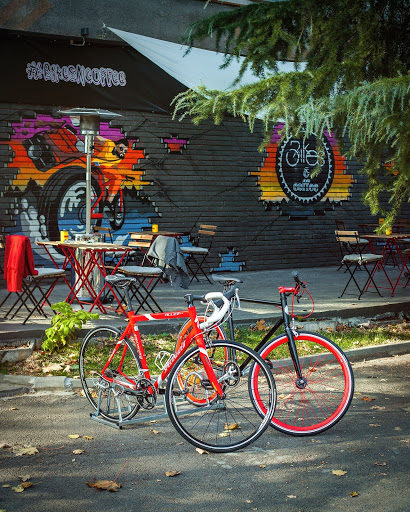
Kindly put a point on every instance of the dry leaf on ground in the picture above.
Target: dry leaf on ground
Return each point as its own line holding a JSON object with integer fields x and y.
{"x": 88, "y": 438}
{"x": 4, "y": 445}
{"x": 78, "y": 452}
{"x": 368, "y": 399}
{"x": 54, "y": 367}
{"x": 201, "y": 451}
{"x": 172, "y": 473}
{"x": 104, "y": 485}
{"x": 353, "y": 494}
{"x": 338, "y": 472}
{"x": 24, "y": 478}
{"x": 24, "y": 450}
{"x": 74, "y": 436}
{"x": 231, "y": 426}
{"x": 380, "y": 463}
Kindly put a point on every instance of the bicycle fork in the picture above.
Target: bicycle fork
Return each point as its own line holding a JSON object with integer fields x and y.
{"x": 300, "y": 381}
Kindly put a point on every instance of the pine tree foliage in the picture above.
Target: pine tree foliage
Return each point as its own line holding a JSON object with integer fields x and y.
{"x": 354, "y": 81}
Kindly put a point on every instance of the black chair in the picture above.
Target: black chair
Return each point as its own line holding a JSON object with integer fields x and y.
{"x": 358, "y": 261}
{"x": 31, "y": 286}
{"x": 198, "y": 253}
{"x": 349, "y": 242}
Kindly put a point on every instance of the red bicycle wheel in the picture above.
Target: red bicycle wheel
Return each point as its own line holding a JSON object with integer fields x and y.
{"x": 320, "y": 399}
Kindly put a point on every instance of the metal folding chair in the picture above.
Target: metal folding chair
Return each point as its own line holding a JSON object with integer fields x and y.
{"x": 355, "y": 262}
{"x": 198, "y": 253}
{"x": 349, "y": 242}
{"x": 36, "y": 283}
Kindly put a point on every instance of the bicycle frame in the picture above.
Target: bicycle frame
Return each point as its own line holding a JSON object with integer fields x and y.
{"x": 132, "y": 332}
{"x": 283, "y": 305}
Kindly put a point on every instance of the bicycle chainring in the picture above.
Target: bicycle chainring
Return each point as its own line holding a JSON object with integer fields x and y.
{"x": 146, "y": 393}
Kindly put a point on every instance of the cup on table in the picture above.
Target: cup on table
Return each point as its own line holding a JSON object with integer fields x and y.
{"x": 389, "y": 231}
{"x": 155, "y": 228}
{"x": 64, "y": 235}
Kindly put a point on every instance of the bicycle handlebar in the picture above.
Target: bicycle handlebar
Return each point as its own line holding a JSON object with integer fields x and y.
{"x": 219, "y": 312}
{"x": 297, "y": 279}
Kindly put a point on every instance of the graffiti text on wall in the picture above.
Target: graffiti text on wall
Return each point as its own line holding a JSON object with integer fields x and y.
{"x": 77, "y": 74}
{"x": 288, "y": 171}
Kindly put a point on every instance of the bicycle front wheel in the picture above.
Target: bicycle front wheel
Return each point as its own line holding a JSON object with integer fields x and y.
{"x": 110, "y": 394}
{"x": 320, "y": 399}
{"x": 221, "y": 424}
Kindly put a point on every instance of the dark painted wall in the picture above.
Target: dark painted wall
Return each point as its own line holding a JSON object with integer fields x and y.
{"x": 177, "y": 175}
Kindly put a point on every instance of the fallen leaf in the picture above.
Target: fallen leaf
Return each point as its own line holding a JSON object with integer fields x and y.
{"x": 260, "y": 325}
{"x": 292, "y": 496}
{"x": 374, "y": 425}
{"x": 338, "y": 472}
{"x": 24, "y": 478}
{"x": 88, "y": 438}
{"x": 262, "y": 466}
{"x": 104, "y": 485}
{"x": 380, "y": 463}
{"x": 224, "y": 434}
{"x": 4, "y": 445}
{"x": 26, "y": 485}
{"x": 232, "y": 426}
{"x": 74, "y": 436}
{"x": 19, "y": 488}
{"x": 353, "y": 494}
{"x": 405, "y": 441}
{"x": 25, "y": 450}
{"x": 201, "y": 451}
{"x": 155, "y": 432}
{"x": 13, "y": 409}
{"x": 6, "y": 485}
{"x": 249, "y": 501}
{"x": 172, "y": 473}
{"x": 54, "y": 367}
{"x": 378, "y": 407}
{"x": 78, "y": 452}
{"x": 395, "y": 428}
{"x": 368, "y": 399}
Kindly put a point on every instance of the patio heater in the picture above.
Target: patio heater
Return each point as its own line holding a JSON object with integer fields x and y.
{"x": 89, "y": 127}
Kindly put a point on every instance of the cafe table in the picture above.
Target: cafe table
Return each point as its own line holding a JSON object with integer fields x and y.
{"x": 391, "y": 249}
{"x": 92, "y": 257}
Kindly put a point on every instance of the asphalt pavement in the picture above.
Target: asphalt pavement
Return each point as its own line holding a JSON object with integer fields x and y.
{"x": 362, "y": 463}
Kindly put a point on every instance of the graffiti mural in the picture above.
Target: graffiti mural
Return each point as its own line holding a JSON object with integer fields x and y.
{"x": 287, "y": 173}
{"x": 49, "y": 183}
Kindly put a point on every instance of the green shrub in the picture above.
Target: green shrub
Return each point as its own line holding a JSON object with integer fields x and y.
{"x": 64, "y": 325}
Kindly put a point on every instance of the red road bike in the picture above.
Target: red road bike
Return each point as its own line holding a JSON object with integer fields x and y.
{"x": 219, "y": 395}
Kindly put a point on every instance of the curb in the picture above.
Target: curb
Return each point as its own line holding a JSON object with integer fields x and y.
{"x": 12, "y": 385}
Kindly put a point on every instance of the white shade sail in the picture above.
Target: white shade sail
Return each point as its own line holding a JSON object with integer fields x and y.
{"x": 198, "y": 67}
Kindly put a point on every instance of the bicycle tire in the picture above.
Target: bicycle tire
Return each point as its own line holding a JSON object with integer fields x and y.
{"x": 214, "y": 333}
{"x": 224, "y": 424}
{"x": 328, "y": 389}
{"x": 110, "y": 399}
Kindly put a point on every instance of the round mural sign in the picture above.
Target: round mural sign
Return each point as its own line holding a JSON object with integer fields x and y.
{"x": 296, "y": 161}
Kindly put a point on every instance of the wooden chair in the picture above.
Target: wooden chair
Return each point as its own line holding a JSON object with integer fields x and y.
{"x": 354, "y": 261}
{"x": 197, "y": 254}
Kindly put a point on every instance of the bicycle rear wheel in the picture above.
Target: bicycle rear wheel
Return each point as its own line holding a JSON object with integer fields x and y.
{"x": 323, "y": 396}
{"x": 111, "y": 395}
{"x": 233, "y": 421}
